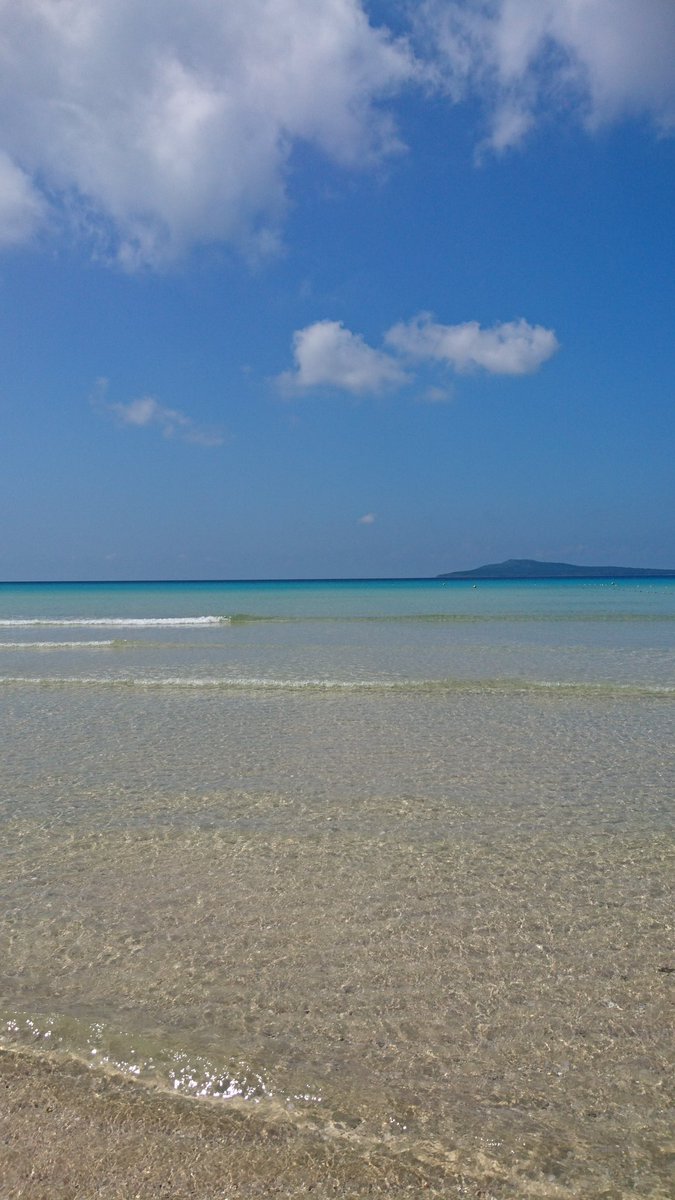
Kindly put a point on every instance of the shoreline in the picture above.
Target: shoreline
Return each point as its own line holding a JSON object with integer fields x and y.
{"x": 69, "y": 1130}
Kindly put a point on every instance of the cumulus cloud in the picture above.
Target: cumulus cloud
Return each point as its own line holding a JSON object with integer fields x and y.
{"x": 161, "y": 124}
{"x": 328, "y": 355}
{"x": 603, "y": 59}
{"x": 146, "y": 411}
{"x": 511, "y": 348}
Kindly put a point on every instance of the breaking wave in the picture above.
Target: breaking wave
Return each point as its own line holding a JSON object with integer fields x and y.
{"x": 60, "y": 645}
{"x": 112, "y": 622}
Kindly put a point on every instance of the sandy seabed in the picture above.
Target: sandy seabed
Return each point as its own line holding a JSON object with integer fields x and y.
{"x": 530, "y": 1071}
{"x": 441, "y": 942}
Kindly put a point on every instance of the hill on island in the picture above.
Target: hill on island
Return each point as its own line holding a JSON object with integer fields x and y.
{"x": 529, "y": 568}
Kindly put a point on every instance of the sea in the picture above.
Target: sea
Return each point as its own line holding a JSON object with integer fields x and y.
{"x": 389, "y": 859}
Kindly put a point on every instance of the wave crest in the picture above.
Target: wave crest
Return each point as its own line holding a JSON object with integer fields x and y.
{"x": 111, "y": 622}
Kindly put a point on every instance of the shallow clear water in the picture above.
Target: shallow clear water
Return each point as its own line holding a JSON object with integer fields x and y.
{"x": 394, "y": 856}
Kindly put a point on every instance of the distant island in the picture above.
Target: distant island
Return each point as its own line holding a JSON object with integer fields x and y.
{"x": 529, "y": 568}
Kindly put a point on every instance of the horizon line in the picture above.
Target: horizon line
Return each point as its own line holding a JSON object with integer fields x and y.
{"x": 261, "y": 579}
{"x": 460, "y": 577}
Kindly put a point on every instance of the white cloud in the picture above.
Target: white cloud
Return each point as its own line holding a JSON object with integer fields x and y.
{"x": 161, "y": 124}
{"x": 367, "y": 519}
{"x": 146, "y": 411}
{"x": 603, "y": 59}
{"x": 328, "y": 355}
{"x": 512, "y": 348}
{"x": 152, "y": 126}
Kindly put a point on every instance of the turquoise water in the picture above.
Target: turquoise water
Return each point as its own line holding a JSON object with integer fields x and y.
{"x": 341, "y": 598}
{"x": 394, "y": 857}
{"x": 347, "y": 633}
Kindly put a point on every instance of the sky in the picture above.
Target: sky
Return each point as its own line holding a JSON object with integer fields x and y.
{"x": 335, "y": 288}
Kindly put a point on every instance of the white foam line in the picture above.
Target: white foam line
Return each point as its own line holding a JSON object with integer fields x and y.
{"x": 276, "y": 684}
{"x": 412, "y": 685}
{"x": 192, "y": 682}
{"x": 53, "y": 645}
{"x": 135, "y": 622}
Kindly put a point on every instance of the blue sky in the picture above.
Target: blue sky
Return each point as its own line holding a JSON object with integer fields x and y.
{"x": 311, "y": 288}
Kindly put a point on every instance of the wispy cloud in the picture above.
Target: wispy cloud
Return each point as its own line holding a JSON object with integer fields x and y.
{"x": 146, "y": 412}
{"x": 21, "y": 207}
{"x": 437, "y": 395}
{"x": 597, "y": 60}
{"x": 327, "y": 355}
{"x": 367, "y": 519}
